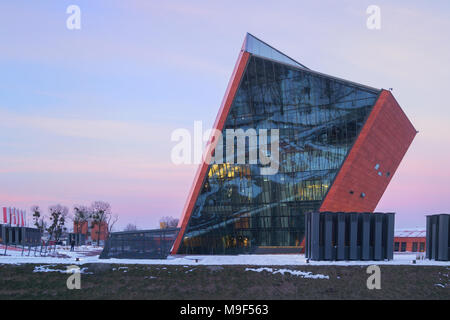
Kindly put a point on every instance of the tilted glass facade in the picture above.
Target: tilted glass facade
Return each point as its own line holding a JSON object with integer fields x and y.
{"x": 318, "y": 118}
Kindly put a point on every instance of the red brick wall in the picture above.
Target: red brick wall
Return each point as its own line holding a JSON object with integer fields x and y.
{"x": 103, "y": 231}
{"x": 409, "y": 243}
{"x": 80, "y": 227}
{"x": 83, "y": 228}
{"x": 383, "y": 140}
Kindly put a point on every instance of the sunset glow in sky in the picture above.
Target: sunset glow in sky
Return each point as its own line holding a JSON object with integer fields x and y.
{"x": 87, "y": 114}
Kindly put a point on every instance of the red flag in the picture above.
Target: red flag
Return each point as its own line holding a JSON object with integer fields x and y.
{"x": 5, "y": 215}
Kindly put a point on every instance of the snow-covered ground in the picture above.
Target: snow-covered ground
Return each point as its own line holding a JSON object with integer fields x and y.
{"x": 90, "y": 254}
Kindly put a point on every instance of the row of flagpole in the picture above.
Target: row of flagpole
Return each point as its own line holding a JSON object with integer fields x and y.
{"x": 13, "y": 217}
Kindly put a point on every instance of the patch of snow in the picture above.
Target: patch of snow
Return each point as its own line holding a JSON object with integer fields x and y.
{"x": 298, "y": 273}
{"x": 46, "y": 268}
{"x": 87, "y": 254}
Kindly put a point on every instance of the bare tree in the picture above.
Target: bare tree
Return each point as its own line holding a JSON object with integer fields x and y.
{"x": 38, "y": 221}
{"x": 61, "y": 228}
{"x": 81, "y": 215}
{"x": 130, "y": 227}
{"x": 58, "y": 215}
{"x": 168, "y": 222}
{"x": 112, "y": 219}
{"x": 100, "y": 214}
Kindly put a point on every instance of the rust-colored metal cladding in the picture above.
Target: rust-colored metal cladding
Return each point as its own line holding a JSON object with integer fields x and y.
{"x": 218, "y": 125}
{"x": 373, "y": 159}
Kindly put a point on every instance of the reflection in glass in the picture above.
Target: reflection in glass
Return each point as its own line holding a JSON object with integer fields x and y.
{"x": 239, "y": 210}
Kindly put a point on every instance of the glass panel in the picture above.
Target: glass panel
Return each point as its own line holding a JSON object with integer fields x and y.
{"x": 239, "y": 210}
{"x": 403, "y": 246}
{"x": 255, "y": 46}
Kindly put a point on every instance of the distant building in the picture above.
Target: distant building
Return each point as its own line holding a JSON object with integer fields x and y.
{"x": 13, "y": 230}
{"x": 17, "y": 235}
{"x": 91, "y": 230}
{"x": 410, "y": 240}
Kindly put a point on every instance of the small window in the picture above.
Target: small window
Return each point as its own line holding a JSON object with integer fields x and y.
{"x": 422, "y": 246}
{"x": 379, "y": 173}
{"x": 388, "y": 174}
{"x": 403, "y": 246}
{"x": 363, "y": 195}
{"x": 351, "y": 192}
{"x": 377, "y": 166}
{"x": 415, "y": 246}
{"x": 396, "y": 246}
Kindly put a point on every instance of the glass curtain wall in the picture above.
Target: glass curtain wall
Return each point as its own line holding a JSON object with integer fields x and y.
{"x": 318, "y": 118}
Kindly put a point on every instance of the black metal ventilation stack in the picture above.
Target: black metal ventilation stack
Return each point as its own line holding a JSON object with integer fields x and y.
{"x": 438, "y": 240}
{"x": 349, "y": 236}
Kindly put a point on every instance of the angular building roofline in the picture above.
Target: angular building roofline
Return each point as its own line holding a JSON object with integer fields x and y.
{"x": 257, "y": 47}
{"x": 260, "y": 48}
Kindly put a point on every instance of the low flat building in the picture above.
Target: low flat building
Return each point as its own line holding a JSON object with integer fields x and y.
{"x": 14, "y": 235}
{"x": 140, "y": 244}
{"x": 410, "y": 240}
